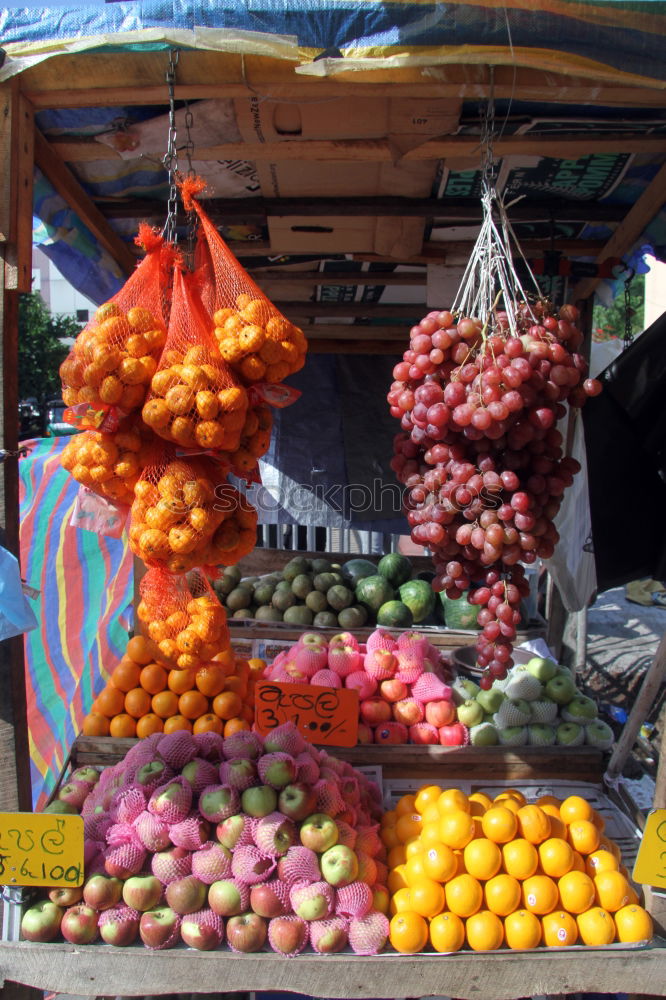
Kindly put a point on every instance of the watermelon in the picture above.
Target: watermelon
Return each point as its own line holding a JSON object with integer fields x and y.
{"x": 395, "y": 614}
{"x": 458, "y": 613}
{"x": 396, "y": 568}
{"x": 357, "y": 569}
{"x": 373, "y": 591}
{"x": 419, "y": 597}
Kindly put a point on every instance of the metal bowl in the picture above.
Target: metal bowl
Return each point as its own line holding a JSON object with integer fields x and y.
{"x": 464, "y": 659}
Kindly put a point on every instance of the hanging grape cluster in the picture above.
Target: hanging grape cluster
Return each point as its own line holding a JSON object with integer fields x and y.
{"x": 481, "y": 455}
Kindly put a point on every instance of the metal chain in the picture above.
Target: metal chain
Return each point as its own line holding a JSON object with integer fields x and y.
{"x": 19, "y": 453}
{"x": 629, "y": 313}
{"x": 171, "y": 156}
{"x": 189, "y": 150}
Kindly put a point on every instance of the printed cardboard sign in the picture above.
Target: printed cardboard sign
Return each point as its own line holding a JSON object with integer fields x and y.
{"x": 650, "y": 866}
{"x": 41, "y": 849}
{"x": 325, "y": 716}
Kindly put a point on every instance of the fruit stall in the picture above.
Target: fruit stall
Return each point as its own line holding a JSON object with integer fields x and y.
{"x": 356, "y": 250}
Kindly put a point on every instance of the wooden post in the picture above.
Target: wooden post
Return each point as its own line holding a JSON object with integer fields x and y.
{"x": 644, "y": 701}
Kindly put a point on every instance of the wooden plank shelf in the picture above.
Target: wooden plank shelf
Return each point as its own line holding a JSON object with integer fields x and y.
{"x": 96, "y": 969}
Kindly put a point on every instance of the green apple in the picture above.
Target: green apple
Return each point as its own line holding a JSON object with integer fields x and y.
{"x": 542, "y": 668}
{"x": 561, "y": 689}
{"x": 470, "y": 713}
{"x": 490, "y": 700}
{"x": 580, "y": 709}
{"x": 570, "y": 734}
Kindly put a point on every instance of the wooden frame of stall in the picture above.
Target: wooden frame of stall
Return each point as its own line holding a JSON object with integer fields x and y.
{"x": 92, "y": 79}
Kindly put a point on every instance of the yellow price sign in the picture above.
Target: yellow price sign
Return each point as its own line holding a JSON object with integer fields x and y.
{"x": 650, "y": 867}
{"x": 41, "y": 849}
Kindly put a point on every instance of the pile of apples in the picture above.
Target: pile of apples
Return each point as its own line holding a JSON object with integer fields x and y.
{"x": 402, "y": 697}
{"x": 198, "y": 839}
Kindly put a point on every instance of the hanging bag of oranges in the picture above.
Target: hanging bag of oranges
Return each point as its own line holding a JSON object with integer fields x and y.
{"x": 108, "y": 370}
{"x": 109, "y": 464}
{"x": 254, "y": 338}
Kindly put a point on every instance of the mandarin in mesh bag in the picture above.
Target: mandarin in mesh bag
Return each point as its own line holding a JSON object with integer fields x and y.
{"x": 114, "y": 358}
{"x": 195, "y": 401}
{"x": 254, "y": 338}
{"x": 237, "y": 534}
{"x": 109, "y": 464}
{"x": 255, "y": 438}
{"x": 182, "y": 615}
{"x": 175, "y": 513}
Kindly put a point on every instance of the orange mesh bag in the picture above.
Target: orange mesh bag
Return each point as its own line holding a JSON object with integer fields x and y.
{"x": 109, "y": 368}
{"x": 183, "y": 617}
{"x": 255, "y": 438}
{"x": 175, "y": 513}
{"x": 253, "y": 336}
{"x": 195, "y": 400}
{"x": 237, "y": 534}
{"x": 109, "y": 464}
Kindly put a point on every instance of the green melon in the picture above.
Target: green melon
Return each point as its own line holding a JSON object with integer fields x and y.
{"x": 395, "y": 614}
{"x": 419, "y": 597}
{"x": 357, "y": 569}
{"x": 373, "y": 591}
{"x": 396, "y": 568}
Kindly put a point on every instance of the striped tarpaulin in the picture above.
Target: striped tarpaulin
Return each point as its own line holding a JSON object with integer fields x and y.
{"x": 85, "y": 584}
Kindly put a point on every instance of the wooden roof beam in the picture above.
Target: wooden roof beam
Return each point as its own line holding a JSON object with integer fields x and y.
{"x": 629, "y": 230}
{"x": 67, "y": 186}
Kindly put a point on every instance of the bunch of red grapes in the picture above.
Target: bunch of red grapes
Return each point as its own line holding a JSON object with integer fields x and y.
{"x": 482, "y": 457}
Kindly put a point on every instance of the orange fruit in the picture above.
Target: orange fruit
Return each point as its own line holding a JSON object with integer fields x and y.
{"x": 401, "y": 901}
{"x": 139, "y": 650}
{"x": 447, "y": 932}
{"x": 584, "y": 836}
{"x": 540, "y": 894}
{"x": 404, "y": 805}
{"x": 235, "y": 725}
{"x": 522, "y": 929}
{"x": 193, "y": 704}
{"x": 576, "y": 891}
{"x": 397, "y": 879}
{"x": 180, "y": 681}
{"x": 95, "y": 725}
{"x": 110, "y": 701}
{"x": 556, "y": 857}
{"x": 548, "y": 800}
{"x": 389, "y": 818}
{"x": 499, "y": 824}
{"x": 137, "y": 702}
{"x": 208, "y": 723}
{"x": 633, "y": 924}
{"x": 557, "y": 827}
{"x": 513, "y": 805}
{"x": 427, "y": 897}
{"x": 511, "y": 793}
{"x": 606, "y": 844}
{"x": 578, "y": 862}
{"x": 164, "y": 704}
{"x": 533, "y": 824}
{"x": 388, "y": 836}
{"x": 439, "y": 862}
{"x": 600, "y": 861}
{"x": 520, "y": 858}
{"x": 413, "y": 848}
{"x": 122, "y": 725}
{"x": 558, "y": 929}
{"x": 596, "y": 926}
{"x": 227, "y": 705}
{"x": 149, "y": 724}
{"x": 464, "y": 895}
{"x": 414, "y": 871}
{"x": 453, "y": 798}
{"x": 612, "y": 891}
{"x": 396, "y": 856}
{"x": 484, "y": 931}
{"x": 429, "y": 835}
{"x": 408, "y": 933}
{"x": 427, "y": 795}
{"x": 237, "y": 684}
{"x": 125, "y": 675}
{"x": 153, "y": 678}
{"x": 408, "y": 826}
{"x": 479, "y": 799}
{"x": 598, "y": 821}
{"x": 482, "y": 858}
{"x": 177, "y": 722}
{"x": 575, "y": 807}
{"x": 210, "y": 679}
{"x": 502, "y": 894}
{"x": 456, "y": 828}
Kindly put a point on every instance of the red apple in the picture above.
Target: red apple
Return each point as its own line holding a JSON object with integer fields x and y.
{"x": 74, "y": 793}
{"x": 319, "y": 832}
{"x": 66, "y": 895}
{"x": 259, "y": 801}
{"x": 102, "y": 891}
{"x": 375, "y": 711}
{"x": 142, "y": 892}
{"x": 288, "y": 935}
{"x": 424, "y": 734}
{"x": 381, "y": 899}
{"x": 119, "y": 926}
{"x": 41, "y": 922}
{"x": 364, "y": 734}
{"x": 265, "y": 902}
{"x": 228, "y": 898}
{"x": 203, "y": 930}
{"x": 339, "y": 866}
{"x": 185, "y": 895}
{"x": 393, "y": 690}
{"x": 409, "y": 711}
{"x": 79, "y": 924}
{"x": 160, "y": 928}
{"x": 230, "y": 830}
{"x": 246, "y": 932}
{"x": 440, "y": 713}
{"x": 455, "y": 735}
{"x": 297, "y": 800}
{"x": 88, "y": 774}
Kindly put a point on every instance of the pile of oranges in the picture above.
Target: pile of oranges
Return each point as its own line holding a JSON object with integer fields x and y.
{"x": 257, "y": 341}
{"x": 470, "y": 871}
{"x": 144, "y": 696}
{"x": 114, "y": 358}
{"x": 194, "y": 401}
{"x": 108, "y": 464}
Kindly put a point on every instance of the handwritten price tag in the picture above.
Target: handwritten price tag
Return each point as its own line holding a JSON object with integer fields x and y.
{"x": 41, "y": 849}
{"x": 325, "y": 716}
{"x": 650, "y": 867}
